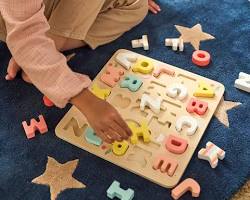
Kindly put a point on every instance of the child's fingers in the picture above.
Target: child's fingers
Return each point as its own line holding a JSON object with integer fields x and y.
{"x": 119, "y": 130}
{"x": 155, "y": 6}
{"x": 114, "y": 135}
{"x": 8, "y": 77}
{"x": 12, "y": 70}
{"x": 107, "y": 140}
{"x": 153, "y": 10}
{"x": 104, "y": 136}
{"x": 124, "y": 125}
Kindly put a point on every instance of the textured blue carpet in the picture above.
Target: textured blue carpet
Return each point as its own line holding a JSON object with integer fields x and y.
{"x": 21, "y": 160}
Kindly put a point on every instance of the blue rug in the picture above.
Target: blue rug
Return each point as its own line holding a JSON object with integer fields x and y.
{"x": 21, "y": 160}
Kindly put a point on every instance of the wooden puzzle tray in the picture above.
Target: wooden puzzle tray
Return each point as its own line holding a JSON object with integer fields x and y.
{"x": 186, "y": 103}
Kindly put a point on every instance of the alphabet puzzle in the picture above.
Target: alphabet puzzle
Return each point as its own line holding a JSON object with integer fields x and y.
{"x": 167, "y": 108}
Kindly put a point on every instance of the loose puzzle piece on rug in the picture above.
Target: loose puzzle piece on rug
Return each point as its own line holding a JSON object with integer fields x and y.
{"x": 168, "y": 110}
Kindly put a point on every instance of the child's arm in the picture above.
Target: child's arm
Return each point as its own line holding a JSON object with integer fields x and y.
{"x": 47, "y": 68}
{"x": 153, "y": 7}
{"x": 37, "y": 55}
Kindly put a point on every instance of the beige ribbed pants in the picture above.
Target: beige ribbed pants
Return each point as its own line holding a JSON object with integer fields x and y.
{"x": 96, "y": 22}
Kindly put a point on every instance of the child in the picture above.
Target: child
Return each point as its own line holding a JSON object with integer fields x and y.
{"x": 37, "y": 30}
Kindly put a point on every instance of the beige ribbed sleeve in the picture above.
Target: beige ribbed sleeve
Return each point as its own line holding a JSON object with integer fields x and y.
{"x": 36, "y": 54}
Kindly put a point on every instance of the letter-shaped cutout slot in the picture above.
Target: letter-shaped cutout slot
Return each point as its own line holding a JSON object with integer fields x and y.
{"x": 139, "y": 156}
{"x": 120, "y": 101}
{"x": 75, "y": 127}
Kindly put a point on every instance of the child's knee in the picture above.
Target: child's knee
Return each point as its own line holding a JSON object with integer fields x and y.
{"x": 139, "y": 9}
{"x": 143, "y": 10}
{"x": 2, "y": 37}
{"x": 63, "y": 43}
{"x": 2, "y": 30}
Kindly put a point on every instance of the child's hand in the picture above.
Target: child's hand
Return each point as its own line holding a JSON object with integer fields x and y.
{"x": 13, "y": 69}
{"x": 153, "y": 7}
{"x": 102, "y": 117}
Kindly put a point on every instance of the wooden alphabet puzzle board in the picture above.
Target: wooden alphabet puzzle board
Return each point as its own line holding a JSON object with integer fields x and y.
{"x": 174, "y": 129}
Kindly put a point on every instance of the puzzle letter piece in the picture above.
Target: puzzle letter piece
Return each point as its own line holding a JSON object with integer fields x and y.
{"x": 143, "y": 66}
{"x": 243, "y": 82}
{"x": 115, "y": 191}
{"x": 186, "y": 185}
{"x": 139, "y": 131}
{"x": 141, "y": 43}
{"x": 126, "y": 59}
{"x": 131, "y": 82}
{"x": 92, "y": 138}
{"x": 120, "y": 148}
{"x": 204, "y": 90}
{"x": 181, "y": 45}
{"x": 165, "y": 165}
{"x": 153, "y": 104}
{"x": 211, "y": 154}
{"x": 112, "y": 75}
{"x": 177, "y": 90}
{"x": 188, "y": 121}
{"x": 165, "y": 70}
{"x": 176, "y": 145}
{"x": 175, "y": 43}
{"x": 99, "y": 92}
{"x": 197, "y": 106}
{"x": 30, "y": 130}
{"x": 47, "y": 102}
{"x": 201, "y": 58}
